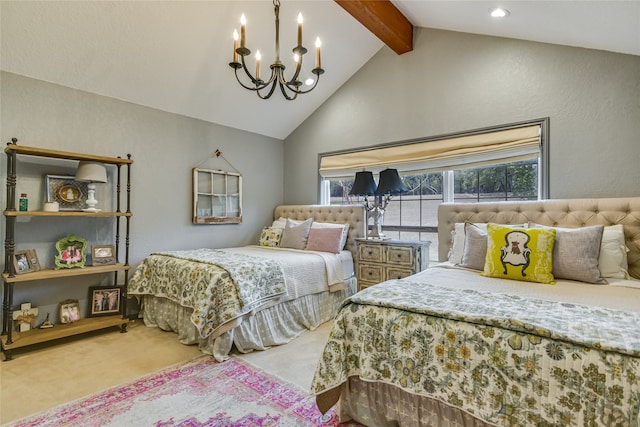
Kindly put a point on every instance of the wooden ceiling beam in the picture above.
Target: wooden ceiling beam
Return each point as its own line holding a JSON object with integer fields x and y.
{"x": 384, "y": 20}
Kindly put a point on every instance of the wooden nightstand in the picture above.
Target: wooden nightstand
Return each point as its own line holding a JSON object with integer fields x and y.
{"x": 380, "y": 260}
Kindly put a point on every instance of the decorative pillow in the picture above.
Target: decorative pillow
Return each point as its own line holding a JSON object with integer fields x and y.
{"x": 327, "y": 239}
{"x": 270, "y": 236}
{"x": 343, "y": 227}
{"x": 458, "y": 237}
{"x": 475, "y": 246}
{"x": 295, "y": 236}
{"x": 279, "y": 223}
{"x": 576, "y": 253}
{"x": 612, "y": 261}
{"x": 520, "y": 253}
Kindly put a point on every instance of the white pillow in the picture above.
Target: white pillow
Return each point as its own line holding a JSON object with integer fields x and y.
{"x": 612, "y": 261}
{"x": 457, "y": 243}
{"x": 279, "y": 223}
{"x": 344, "y": 227}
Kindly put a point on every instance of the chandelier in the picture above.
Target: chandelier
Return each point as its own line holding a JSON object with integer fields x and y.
{"x": 290, "y": 88}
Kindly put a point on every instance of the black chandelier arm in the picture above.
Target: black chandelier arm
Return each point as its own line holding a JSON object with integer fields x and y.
{"x": 283, "y": 89}
{"x": 258, "y": 84}
{"x": 299, "y": 91}
{"x": 268, "y": 95}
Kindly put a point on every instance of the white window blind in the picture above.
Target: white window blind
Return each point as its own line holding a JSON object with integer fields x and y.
{"x": 465, "y": 151}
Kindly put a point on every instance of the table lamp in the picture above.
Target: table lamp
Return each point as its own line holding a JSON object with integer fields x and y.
{"x": 91, "y": 172}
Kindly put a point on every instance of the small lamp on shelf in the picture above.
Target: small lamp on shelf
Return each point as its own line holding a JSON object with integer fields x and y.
{"x": 91, "y": 172}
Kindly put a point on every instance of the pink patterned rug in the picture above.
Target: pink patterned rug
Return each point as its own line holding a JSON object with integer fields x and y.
{"x": 199, "y": 393}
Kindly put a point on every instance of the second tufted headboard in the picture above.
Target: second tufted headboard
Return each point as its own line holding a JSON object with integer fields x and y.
{"x": 354, "y": 215}
{"x": 559, "y": 213}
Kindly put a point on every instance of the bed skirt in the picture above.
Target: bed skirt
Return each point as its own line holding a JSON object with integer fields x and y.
{"x": 271, "y": 326}
{"x": 360, "y": 402}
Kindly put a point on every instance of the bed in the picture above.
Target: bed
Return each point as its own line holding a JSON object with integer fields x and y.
{"x": 256, "y": 296}
{"x": 456, "y": 346}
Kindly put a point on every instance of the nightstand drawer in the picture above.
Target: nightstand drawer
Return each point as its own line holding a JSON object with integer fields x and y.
{"x": 371, "y": 253}
{"x": 370, "y": 273}
{"x": 398, "y": 273}
{"x": 400, "y": 255}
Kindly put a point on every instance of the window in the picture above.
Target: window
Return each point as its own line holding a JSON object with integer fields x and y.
{"x": 413, "y": 215}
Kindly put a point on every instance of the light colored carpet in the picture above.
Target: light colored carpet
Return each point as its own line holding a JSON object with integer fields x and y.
{"x": 45, "y": 376}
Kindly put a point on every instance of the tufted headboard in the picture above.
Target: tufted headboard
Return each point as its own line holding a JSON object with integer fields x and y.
{"x": 559, "y": 213}
{"x": 354, "y": 215}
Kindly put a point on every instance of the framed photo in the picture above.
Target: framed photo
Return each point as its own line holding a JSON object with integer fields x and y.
{"x": 33, "y": 259}
{"x": 22, "y": 263}
{"x": 71, "y": 252}
{"x": 104, "y": 300}
{"x": 69, "y": 311}
{"x": 103, "y": 254}
{"x": 69, "y": 193}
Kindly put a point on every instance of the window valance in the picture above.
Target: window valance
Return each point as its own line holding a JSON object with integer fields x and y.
{"x": 433, "y": 155}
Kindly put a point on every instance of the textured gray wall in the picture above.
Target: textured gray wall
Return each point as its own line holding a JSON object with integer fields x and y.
{"x": 456, "y": 81}
{"x": 164, "y": 148}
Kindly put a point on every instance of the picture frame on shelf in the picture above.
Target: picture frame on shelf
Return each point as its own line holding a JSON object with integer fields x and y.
{"x": 69, "y": 193}
{"x": 25, "y": 261}
{"x": 103, "y": 254}
{"x": 69, "y": 311}
{"x": 104, "y": 300}
{"x": 71, "y": 252}
{"x": 33, "y": 259}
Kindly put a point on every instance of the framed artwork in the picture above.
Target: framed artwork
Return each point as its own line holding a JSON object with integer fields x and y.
{"x": 22, "y": 262}
{"x": 69, "y": 311}
{"x": 104, "y": 300}
{"x": 69, "y": 193}
{"x": 103, "y": 254}
{"x": 70, "y": 252}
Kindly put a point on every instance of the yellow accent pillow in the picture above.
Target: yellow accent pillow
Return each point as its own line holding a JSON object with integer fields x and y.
{"x": 520, "y": 253}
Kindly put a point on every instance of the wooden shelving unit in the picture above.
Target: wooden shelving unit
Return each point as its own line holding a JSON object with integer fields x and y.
{"x": 10, "y": 339}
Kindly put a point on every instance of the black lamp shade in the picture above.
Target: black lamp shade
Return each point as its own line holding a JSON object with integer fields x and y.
{"x": 390, "y": 183}
{"x": 364, "y": 185}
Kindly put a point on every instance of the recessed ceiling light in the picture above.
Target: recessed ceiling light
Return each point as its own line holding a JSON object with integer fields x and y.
{"x": 498, "y": 12}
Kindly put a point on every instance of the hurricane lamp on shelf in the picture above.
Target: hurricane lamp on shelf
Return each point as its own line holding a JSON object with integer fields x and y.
{"x": 290, "y": 88}
{"x": 92, "y": 173}
{"x": 389, "y": 185}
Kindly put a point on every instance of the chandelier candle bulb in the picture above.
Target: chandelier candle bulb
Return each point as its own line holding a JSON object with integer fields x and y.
{"x": 243, "y": 31}
{"x": 235, "y": 45}
{"x": 258, "y": 58}
{"x": 299, "y": 29}
{"x": 318, "y": 44}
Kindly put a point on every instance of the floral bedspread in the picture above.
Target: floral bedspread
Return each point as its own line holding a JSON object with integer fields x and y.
{"x": 507, "y": 360}
{"x": 219, "y": 286}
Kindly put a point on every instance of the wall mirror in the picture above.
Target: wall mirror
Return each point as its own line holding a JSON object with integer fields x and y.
{"x": 217, "y": 197}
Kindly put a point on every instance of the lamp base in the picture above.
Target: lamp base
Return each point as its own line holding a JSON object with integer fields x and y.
{"x": 376, "y": 231}
{"x": 91, "y": 200}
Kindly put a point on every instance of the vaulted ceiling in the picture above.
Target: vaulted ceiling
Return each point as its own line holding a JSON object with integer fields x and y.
{"x": 174, "y": 55}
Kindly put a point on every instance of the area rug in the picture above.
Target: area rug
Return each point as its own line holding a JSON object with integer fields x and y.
{"x": 201, "y": 392}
